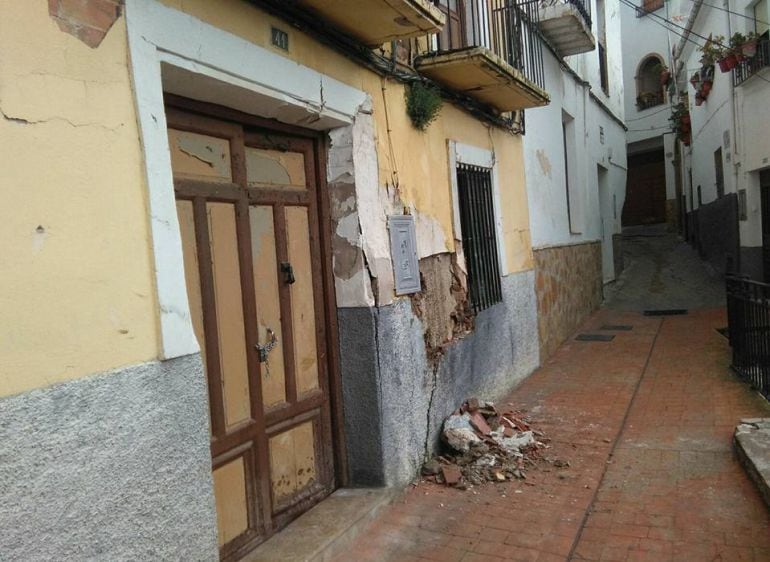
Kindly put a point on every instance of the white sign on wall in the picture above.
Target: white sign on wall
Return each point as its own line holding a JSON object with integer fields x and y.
{"x": 403, "y": 251}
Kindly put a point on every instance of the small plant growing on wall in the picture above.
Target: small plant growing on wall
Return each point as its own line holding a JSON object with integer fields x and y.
{"x": 423, "y": 104}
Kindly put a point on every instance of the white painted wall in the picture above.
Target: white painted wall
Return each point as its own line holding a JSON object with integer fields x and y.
{"x": 735, "y": 118}
{"x": 644, "y": 36}
{"x": 597, "y": 139}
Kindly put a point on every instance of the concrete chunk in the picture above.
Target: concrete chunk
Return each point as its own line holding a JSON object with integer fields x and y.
{"x": 752, "y": 445}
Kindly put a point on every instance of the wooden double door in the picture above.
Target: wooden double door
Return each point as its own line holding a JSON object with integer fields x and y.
{"x": 247, "y": 202}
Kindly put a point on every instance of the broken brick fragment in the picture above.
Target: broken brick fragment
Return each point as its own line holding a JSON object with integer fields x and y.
{"x": 478, "y": 421}
{"x": 451, "y": 474}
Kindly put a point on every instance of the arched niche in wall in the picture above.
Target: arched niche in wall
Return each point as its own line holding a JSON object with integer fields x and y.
{"x": 650, "y": 91}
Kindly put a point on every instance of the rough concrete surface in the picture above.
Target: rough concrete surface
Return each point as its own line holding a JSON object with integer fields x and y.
{"x": 395, "y": 401}
{"x": 324, "y": 532}
{"x": 662, "y": 272}
{"x": 112, "y": 467}
{"x": 752, "y": 444}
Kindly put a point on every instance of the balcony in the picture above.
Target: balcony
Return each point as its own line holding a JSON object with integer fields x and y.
{"x": 489, "y": 50}
{"x": 374, "y": 22}
{"x": 751, "y": 66}
{"x": 567, "y": 26}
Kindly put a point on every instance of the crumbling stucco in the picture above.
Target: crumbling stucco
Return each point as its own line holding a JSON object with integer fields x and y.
{"x": 88, "y": 20}
{"x": 442, "y": 305}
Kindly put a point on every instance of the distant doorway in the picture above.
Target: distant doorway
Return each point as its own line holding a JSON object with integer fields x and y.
{"x": 607, "y": 212}
{"x": 646, "y": 189}
{"x": 764, "y": 186}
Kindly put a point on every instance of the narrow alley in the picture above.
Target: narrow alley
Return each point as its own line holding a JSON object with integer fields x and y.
{"x": 645, "y": 423}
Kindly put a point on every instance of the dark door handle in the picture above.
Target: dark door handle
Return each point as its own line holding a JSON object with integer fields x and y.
{"x": 288, "y": 271}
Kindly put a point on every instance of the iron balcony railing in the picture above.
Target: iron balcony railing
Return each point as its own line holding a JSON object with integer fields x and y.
{"x": 748, "y": 318}
{"x": 651, "y": 100}
{"x": 508, "y": 28}
{"x": 750, "y": 66}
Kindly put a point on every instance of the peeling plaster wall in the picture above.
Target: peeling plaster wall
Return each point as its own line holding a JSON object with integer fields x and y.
{"x": 401, "y": 170}
{"x": 395, "y": 399}
{"x": 76, "y": 288}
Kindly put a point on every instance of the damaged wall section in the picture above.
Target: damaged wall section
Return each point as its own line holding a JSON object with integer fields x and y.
{"x": 395, "y": 400}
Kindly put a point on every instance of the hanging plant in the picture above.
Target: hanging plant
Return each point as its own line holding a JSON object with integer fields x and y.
{"x": 423, "y": 104}
{"x": 680, "y": 122}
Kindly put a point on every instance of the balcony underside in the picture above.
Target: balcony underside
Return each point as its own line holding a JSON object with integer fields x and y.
{"x": 566, "y": 29}
{"x": 482, "y": 75}
{"x": 374, "y": 22}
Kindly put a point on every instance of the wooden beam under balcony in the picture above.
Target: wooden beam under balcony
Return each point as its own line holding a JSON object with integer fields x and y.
{"x": 484, "y": 76}
{"x": 374, "y": 22}
{"x": 566, "y": 29}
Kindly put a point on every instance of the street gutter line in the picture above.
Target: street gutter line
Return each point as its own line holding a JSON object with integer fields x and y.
{"x": 620, "y": 433}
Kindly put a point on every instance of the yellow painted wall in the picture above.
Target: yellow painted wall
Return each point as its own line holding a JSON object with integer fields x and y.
{"x": 76, "y": 281}
{"x": 421, "y": 159}
{"x": 76, "y": 295}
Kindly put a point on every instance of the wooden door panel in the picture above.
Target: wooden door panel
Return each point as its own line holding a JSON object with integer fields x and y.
{"x": 231, "y": 500}
{"x": 302, "y": 301}
{"x": 225, "y": 266}
{"x": 274, "y": 169}
{"x": 267, "y": 295}
{"x": 198, "y": 156}
{"x": 292, "y": 463}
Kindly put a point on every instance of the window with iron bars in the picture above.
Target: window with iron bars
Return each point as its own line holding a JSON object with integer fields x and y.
{"x": 479, "y": 235}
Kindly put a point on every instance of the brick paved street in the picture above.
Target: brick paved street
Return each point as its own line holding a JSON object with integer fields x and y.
{"x": 645, "y": 422}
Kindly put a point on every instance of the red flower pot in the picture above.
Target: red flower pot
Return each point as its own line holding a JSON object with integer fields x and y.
{"x": 705, "y": 88}
{"x": 728, "y": 63}
{"x": 686, "y": 118}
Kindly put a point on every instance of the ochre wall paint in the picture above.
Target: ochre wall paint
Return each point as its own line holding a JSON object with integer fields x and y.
{"x": 420, "y": 159}
{"x": 76, "y": 287}
{"x": 77, "y": 293}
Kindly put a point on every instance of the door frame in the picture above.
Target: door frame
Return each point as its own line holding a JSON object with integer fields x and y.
{"x": 320, "y": 151}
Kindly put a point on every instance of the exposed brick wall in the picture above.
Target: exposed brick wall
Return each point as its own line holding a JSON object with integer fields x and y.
{"x": 569, "y": 287}
{"x": 88, "y": 20}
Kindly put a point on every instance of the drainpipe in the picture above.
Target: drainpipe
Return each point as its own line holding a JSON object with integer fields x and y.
{"x": 679, "y": 64}
{"x": 734, "y": 140}
{"x": 696, "y": 6}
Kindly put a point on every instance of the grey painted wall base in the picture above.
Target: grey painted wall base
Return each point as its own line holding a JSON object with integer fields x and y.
{"x": 751, "y": 262}
{"x": 394, "y": 402}
{"x": 110, "y": 467}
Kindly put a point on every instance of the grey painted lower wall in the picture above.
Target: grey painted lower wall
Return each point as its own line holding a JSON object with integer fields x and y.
{"x": 395, "y": 402}
{"x": 713, "y": 231}
{"x": 111, "y": 467}
{"x": 751, "y": 262}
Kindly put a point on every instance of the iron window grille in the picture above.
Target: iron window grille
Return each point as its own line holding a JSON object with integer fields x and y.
{"x": 479, "y": 235}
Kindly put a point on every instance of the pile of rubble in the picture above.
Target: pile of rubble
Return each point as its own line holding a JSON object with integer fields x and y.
{"x": 485, "y": 446}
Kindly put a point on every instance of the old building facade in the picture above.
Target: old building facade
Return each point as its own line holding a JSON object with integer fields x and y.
{"x": 238, "y": 275}
{"x": 576, "y": 166}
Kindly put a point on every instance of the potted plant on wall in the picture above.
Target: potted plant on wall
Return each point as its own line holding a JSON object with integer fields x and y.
{"x": 665, "y": 74}
{"x": 712, "y": 50}
{"x": 680, "y": 122}
{"x": 747, "y": 45}
{"x": 736, "y": 46}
